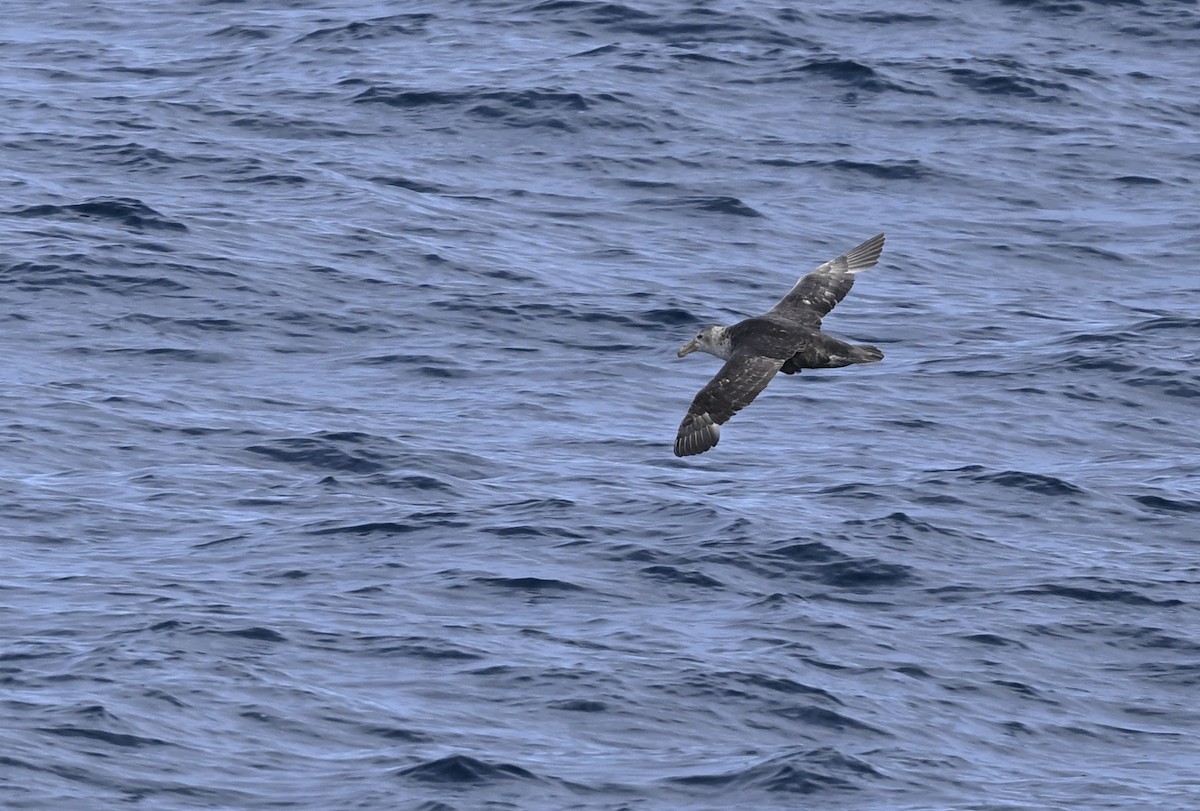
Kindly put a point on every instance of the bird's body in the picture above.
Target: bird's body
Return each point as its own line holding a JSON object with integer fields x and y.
{"x": 786, "y": 338}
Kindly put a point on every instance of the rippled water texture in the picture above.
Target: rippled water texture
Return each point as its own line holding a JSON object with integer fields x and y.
{"x": 340, "y": 386}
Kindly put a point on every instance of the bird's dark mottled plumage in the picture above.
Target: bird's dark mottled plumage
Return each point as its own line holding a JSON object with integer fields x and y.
{"x": 786, "y": 338}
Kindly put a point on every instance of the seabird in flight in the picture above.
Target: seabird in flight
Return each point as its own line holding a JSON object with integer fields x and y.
{"x": 786, "y": 338}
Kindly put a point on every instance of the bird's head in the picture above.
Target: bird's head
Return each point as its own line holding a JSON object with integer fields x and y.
{"x": 711, "y": 340}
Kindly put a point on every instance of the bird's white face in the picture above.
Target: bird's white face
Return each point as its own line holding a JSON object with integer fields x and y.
{"x": 710, "y": 340}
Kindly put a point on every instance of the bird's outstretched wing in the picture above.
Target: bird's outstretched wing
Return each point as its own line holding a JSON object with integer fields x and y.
{"x": 816, "y": 293}
{"x": 735, "y": 386}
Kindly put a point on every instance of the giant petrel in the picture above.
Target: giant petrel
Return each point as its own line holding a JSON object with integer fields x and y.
{"x": 786, "y": 338}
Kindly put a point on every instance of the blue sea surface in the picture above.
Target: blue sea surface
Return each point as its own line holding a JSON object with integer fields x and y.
{"x": 339, "y": 391}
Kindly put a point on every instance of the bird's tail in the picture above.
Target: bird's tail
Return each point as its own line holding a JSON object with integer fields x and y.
{"x": 865, "y": 353}
{"x": 834, "y": 355}
{"x": 827, "y": 352}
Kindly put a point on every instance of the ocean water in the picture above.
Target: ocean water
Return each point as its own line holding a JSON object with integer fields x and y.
{"x": 339, "y": 388}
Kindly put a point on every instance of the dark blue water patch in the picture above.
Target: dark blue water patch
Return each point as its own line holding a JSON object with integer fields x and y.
{"x": 1010, "y": 122}
{"x": 272, "y": 179}
{"x": 669, "y": 317}
{"x": 815, "y": 716}
{"x": 245, "y": 33}
{"x": 702, "y": 58}
{"x": 423, "y": 365}
{"x": 1090, "y": 252}
{"x": 538, "y": 506}
{"x": 1138, "y": 180}
{"x": 715, "y": 205}
{"x": 520, "y": 322}
{"x": 463, "y": 769}
{"x": 493, "y": 113}
{"x": 418, "y": 482}
{"x": 529, "y": 584}
{"x": 803, "y": 773}
{"x": 783, "y": 686}
{"x": 523, "y": 530}
{"x": 537, "y": 107}
{"x": 1020, "y": 688}
{"x": 132, "y": 155}
{"x": 425, "y": 649}
{"x": 808, "y": 552}
{"x": 1039, "y": 483}
{"x": 165, "y": 697}
{"x": 1071, "y": 7}
{"x": 913, "y": 672}
{"x": 345, "y": 452}
{"x": 691, "y": 26}
{"x": 864, "y": 574}
{"x": 228, "y": 539}
{"x": 846, "y": 72}
{"x": 411, "y": 99}
{"x": 114, "y": 738}
{"x": 578, "y": 705}
{"x": 1098, "y": 591}
{"x": 304, "y": 324}
{"x": 419, "y": 186}
{"x": 548, "y": 99}
{"x": 596, "y": 12}
{"x": 257, "y": 633}
{"x": 160, "y": 353}
{"x": 910, "y": 169}
{"x": 899, "y": 526}
{"x": 820, "y": 563}
{"x": 730, "y": 686}
{"x": 993, "y": 640}
{"x": 79, "y": 272}
{"x": 1169, "y": 382}
{"x": 167, "y": 625}
{"x": 885, "y": 170}
{"x": 914, "y": 424}
{"x": 403, "y": 735}
{"x": 434, "y": 805}
{"x": 889, "y": 17}
{"x": 1102, "y": 339}
{"x": 1168, "y": 323}
{"x": 385, "y": 528}
{"x": 173, "y": 324}
{"x": 125, "y": 211}
{"x": 1154, "y": 637}
{"x": 273, "y": 124}
{"x": 1162, "y": 504}
{"x": 1185, "y": 675}
{"x": 674, "y": 575}
{"x": 393, "y": 25}
{"x": 995, "y": 83}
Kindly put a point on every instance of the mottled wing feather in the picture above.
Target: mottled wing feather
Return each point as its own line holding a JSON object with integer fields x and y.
{"x": 735, "y": 386}
{"x": 818, "y": 292}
